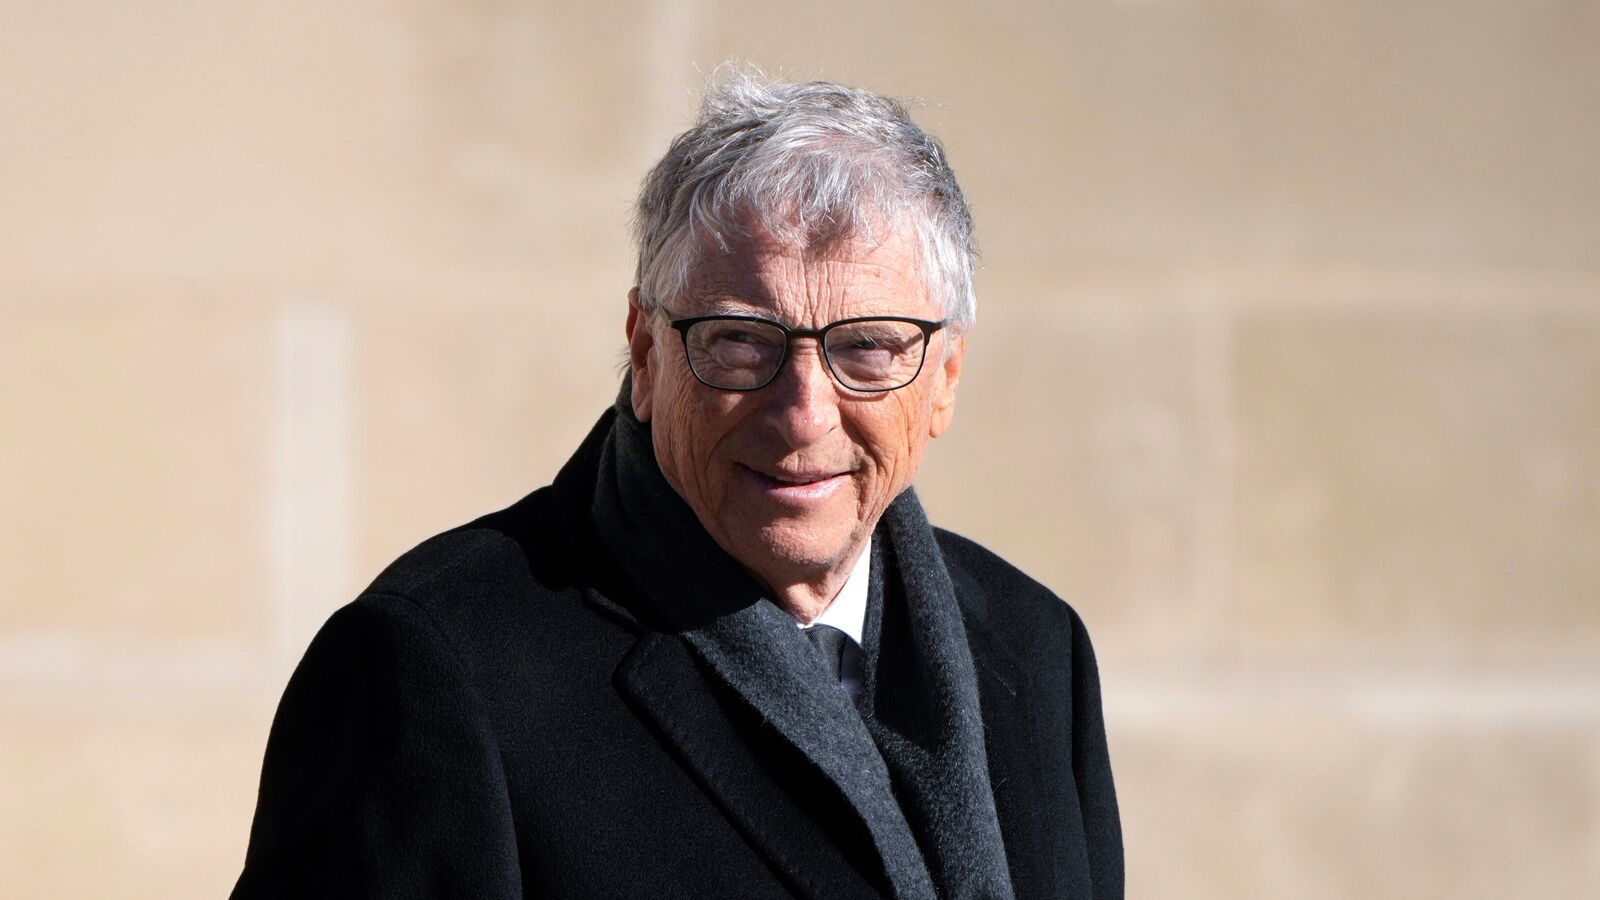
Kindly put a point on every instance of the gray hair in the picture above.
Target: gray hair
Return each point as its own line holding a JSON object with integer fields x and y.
{"x": 810, "y": 164}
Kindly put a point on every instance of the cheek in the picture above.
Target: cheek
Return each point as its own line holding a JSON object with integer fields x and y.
{"x": 672, "y": 429}
{"x": 687, "y": 440}
{"x": 895, "y": 437}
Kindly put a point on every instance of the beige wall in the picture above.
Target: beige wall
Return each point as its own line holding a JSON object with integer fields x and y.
{"x": 1287, "y": 375}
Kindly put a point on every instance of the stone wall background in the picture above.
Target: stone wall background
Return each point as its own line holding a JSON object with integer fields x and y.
{"x": 1287, "y": 375}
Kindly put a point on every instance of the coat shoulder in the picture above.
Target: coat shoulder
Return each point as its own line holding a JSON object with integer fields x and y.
{"x": 984, "y": 582}
{"x": 500, "y": 587}
{"x": 1010, "y": 607}
{"x": 494, "y": 547}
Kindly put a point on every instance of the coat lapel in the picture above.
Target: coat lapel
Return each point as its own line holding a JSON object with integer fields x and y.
{"x": 743, "y": 701}
{"x": 796, "y": 820}
{"x": 761, "y": 656}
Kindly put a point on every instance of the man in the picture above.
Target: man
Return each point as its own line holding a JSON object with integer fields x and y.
{"x": 606, "y": 690}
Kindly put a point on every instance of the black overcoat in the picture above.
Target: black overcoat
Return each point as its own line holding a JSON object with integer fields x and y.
{"x": 501, "y": 715}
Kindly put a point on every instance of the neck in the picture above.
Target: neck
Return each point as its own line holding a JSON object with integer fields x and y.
{"x": 806, "y": 600}
{"x": 806, "y": 595}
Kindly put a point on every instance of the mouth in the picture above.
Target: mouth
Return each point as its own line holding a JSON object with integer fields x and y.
{"x": 797, "y": 488}
{"x": 798, "y": 477}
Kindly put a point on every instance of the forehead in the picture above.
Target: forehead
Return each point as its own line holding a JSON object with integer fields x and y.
{"x": 854, "y": 276}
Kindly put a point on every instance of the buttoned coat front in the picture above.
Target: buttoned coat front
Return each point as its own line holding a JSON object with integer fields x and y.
{"x": 503, "y": 714}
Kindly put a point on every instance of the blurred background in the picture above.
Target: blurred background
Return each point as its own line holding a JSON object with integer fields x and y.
{"x": 1287, "y": 375}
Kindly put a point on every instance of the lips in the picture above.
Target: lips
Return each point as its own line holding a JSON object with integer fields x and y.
{"x": 798, "y": 477}
{"x": 800, "y": 488}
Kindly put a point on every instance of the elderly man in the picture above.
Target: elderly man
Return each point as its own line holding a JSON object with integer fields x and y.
{"x": 724, "y": 654}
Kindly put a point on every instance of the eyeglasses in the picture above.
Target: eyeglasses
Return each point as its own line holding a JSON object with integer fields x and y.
{"x": 745, "y": 353}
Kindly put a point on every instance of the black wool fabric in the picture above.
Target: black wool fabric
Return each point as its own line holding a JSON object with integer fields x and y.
{"x": 916, "y": 774}
{"x": 508, "y": 711}
{"x": 921, "y": 707}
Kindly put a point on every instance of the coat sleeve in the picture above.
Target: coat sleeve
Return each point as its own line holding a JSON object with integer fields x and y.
{"x": 381, "y": 777}
{"x": 1091, "y": 762}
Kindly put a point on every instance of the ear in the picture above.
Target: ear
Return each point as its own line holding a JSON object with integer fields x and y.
{"x": 948, "y": 378}
{"x": 640, "y": 342}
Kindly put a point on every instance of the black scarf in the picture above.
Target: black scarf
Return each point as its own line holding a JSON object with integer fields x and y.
{"x": 912, "y": 762}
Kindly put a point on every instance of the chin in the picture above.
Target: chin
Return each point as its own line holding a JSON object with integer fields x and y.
{"x": 784, "y": 546}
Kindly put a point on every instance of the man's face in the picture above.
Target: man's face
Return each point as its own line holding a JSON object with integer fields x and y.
{"x": 791, "y": 478}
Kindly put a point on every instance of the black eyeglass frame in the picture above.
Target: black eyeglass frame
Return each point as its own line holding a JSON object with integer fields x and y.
{"x": 929, "y": 329}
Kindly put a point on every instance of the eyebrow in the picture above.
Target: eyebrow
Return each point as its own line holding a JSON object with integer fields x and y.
{"x": 729, "y": 305}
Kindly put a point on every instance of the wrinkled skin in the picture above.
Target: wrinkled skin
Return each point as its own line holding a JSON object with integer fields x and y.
{"x": 741, "y": 460}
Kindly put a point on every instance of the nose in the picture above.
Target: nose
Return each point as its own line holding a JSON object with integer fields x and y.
{"x": 802, "y": 405}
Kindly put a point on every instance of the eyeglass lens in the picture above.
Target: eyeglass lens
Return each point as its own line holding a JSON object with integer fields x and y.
{"x": 873, "y": 355}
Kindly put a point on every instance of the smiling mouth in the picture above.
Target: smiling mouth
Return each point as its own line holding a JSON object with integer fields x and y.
{"x": 798, "y": 478}
{"x": 795, "y": 482}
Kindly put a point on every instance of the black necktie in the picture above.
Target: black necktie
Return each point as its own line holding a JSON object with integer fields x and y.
{"x": 839, "y": 655}
{"x": 828, "y": 641}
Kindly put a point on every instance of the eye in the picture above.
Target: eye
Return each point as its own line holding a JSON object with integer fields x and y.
{"x": 737, "y": 337}
{"x": 719, "y": 347}
{"x": 743, "y": 336}
{"x": 867, "y": 340}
